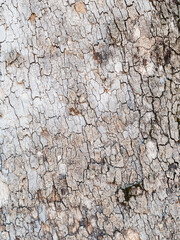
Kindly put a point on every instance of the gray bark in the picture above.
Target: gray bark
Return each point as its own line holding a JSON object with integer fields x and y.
{"x": 89, "y": 119}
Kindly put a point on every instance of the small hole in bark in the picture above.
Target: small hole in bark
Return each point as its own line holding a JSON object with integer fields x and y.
{"x": 144, "y": 62}
{"x": 63, "y": 191}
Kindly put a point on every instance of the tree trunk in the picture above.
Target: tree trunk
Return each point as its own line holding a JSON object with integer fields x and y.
{"x": 89, "y": 119}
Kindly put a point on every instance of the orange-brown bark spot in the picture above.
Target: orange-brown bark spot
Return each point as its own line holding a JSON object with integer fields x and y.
{"x": 80, "y": 7}
{"x": 73, "y": 111}
{"x": 32, "y": 18}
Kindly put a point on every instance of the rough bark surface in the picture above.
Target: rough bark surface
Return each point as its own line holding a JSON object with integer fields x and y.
{"x": 89, "y": 119}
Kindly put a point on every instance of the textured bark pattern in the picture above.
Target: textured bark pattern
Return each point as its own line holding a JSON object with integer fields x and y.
{"x": 89, "y": 119}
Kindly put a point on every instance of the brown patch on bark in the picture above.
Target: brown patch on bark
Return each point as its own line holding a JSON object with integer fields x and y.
{"x": 21, "y": 82}
{"x": 55, "y": 195}
{"x": 88, "y": 226}
{"x": 80, "y": 7}
{"x": 74, "y": 227}
{"x": 106, "y": 90}
{"x": 45, "y": 228}
{"x": 101, "y": 2}
{"x": 73, "y": 111}
{"x": 97, "y": 57}
{"x": 100, "y": 237}
{"x": 132, "y": 235}
{"x": 32, "y": 18}
{"x": 40, "y": 196}
{"x": 45, "y": 133}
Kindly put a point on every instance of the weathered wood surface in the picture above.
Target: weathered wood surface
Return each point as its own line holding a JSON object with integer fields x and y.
{"x": 89, "y": 119}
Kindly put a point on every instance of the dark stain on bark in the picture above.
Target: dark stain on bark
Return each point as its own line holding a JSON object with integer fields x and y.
{"x": 100, "y": 57}
{"x": 167, "y": 56}
{"x": 172, "y": 167}
{"x": 127, "y": 190}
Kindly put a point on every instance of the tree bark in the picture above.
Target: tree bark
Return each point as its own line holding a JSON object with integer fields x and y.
{"x": 89, "y": 119}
